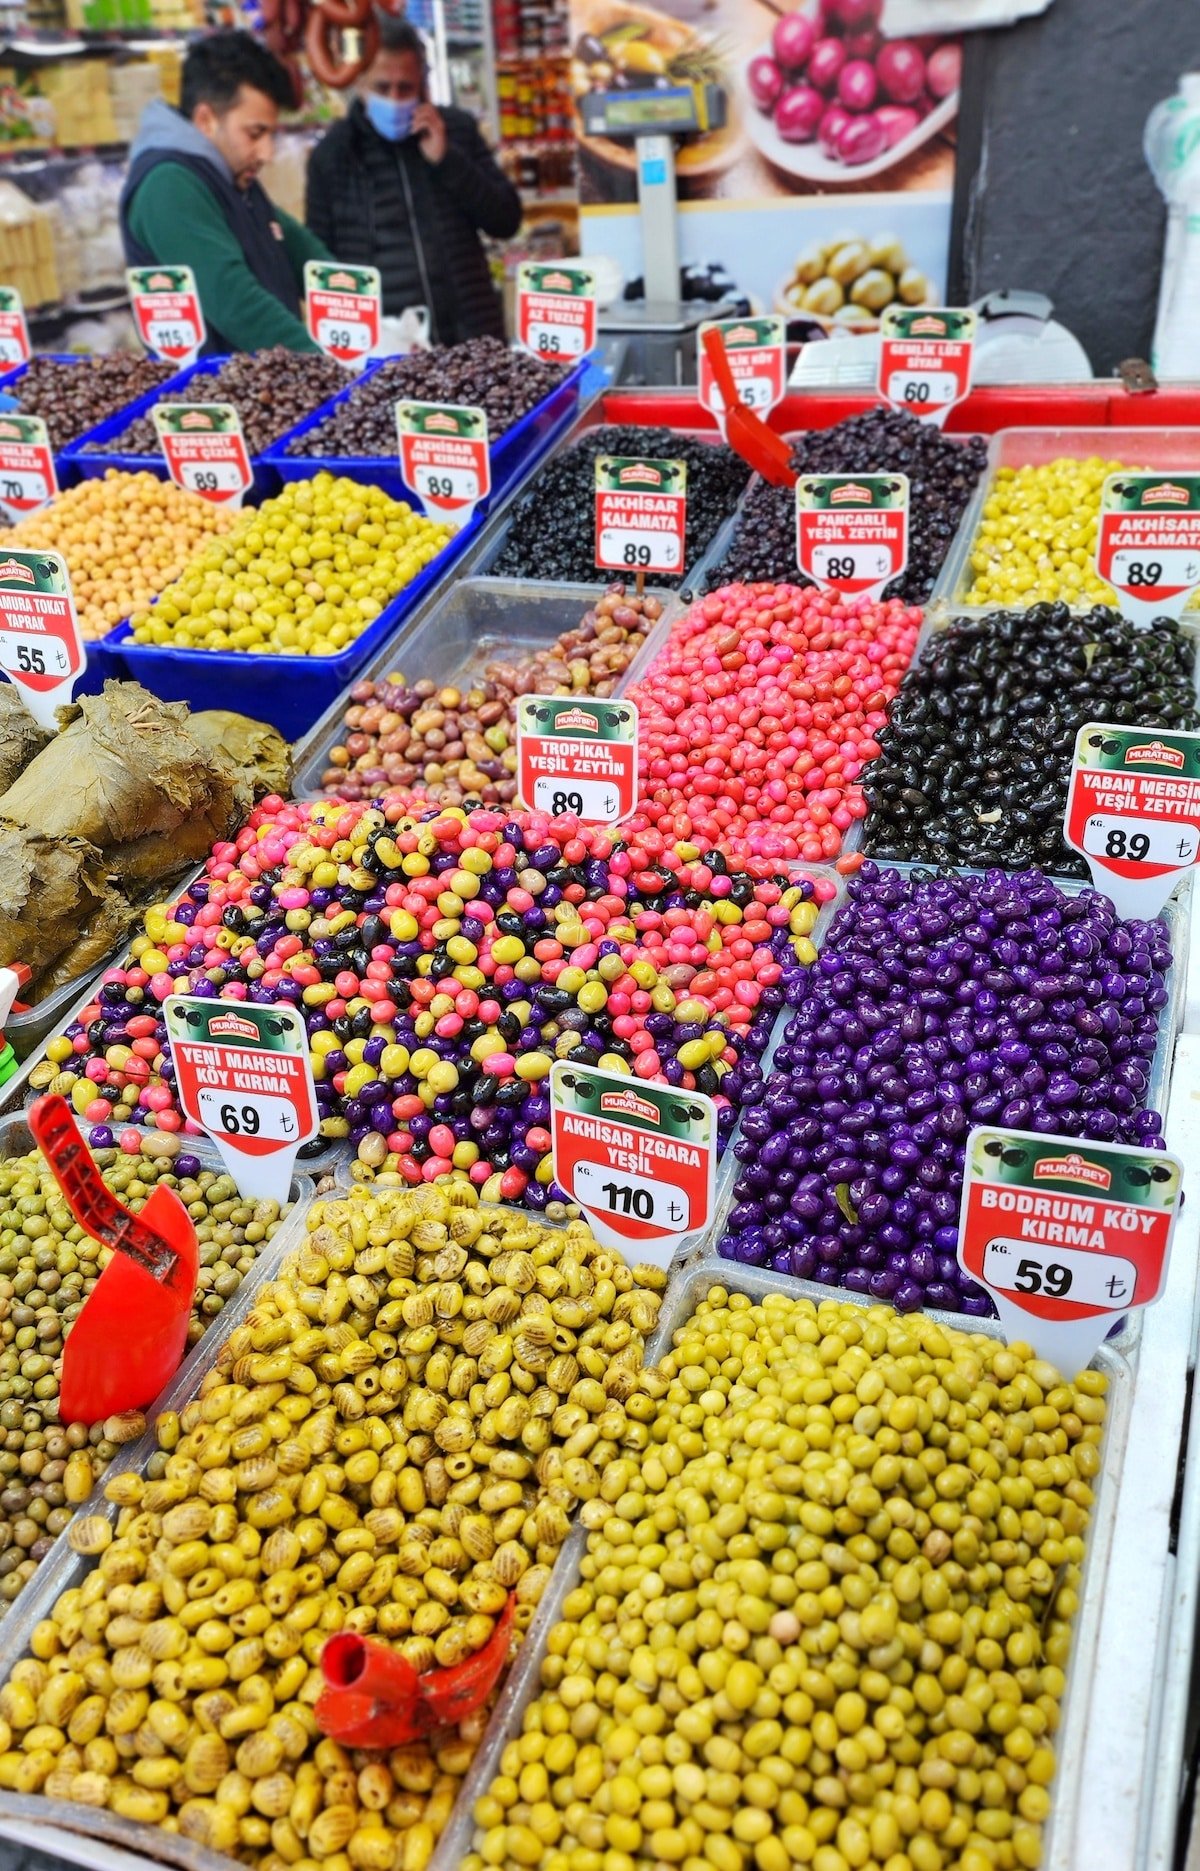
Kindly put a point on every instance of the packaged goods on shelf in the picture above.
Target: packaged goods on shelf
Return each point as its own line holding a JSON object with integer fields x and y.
{"x": 78, "y": 90}
{"x": 27, "y": 252}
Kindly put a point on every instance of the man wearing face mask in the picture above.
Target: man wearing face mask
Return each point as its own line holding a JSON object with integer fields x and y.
{"x": 408, "y": 187}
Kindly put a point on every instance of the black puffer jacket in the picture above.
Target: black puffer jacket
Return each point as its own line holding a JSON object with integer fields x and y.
{"x": 376, "y": 203}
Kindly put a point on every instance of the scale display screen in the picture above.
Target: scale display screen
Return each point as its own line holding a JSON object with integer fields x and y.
{"x": 669, "y": 112}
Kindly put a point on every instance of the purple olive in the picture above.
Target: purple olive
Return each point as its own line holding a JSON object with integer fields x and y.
{"x": 765, "y": 81}
{"x": 830, "y": 129}
{"x": 854, "y": 13}
{"x": 900, "y": 68}
{"x": 798, "y": 113}
{"x": 862, "y": 140}
{"x": 899, "y": 121}
{"x": 828, "y": 57}
{"x": 857, "y": 85}
{"x": 943, "y": 73}
{"x": 792, "y": 41}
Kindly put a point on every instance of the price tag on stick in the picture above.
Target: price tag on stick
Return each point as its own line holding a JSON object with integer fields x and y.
{"x": 852, "y": 531}
{"x": 15, "y": 347}
{"x": 445, "y": 457}
{"x": 1148, "y": 542}
{"x": 578, "y": 757}
{"x": 1065, "y": 1235}
{"x": 244, "y": 1075}
{"x": 27, "y": 476}
{"x": 205, "y": 449}
{"x": 641, "y": 515}
{"x": 925, "y": 357}
{"x": 342, "y": 309}
{"x": 166, "y": 311}
{"x": 1133, "y": 810}
{"x": 639, "y": 1159}
{"x": 757, "y": 355}
{"x": 41, "y": 650}
{"x": 556, "y": 311}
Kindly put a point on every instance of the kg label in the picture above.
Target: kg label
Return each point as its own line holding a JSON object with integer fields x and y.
{"x": 641, "y": 515}
{"x": 14, "y": 332}
{"x": 925, "y": 358}
{"x": 1133, "y": 811}
{"x": 244, "y": 1075}
{"x": 1065, "y": 1235}
{"x": 578, "y": 757}
{"x": 27, "y": 476}
{"x": 757, "y": 354}
{"x": 852, "y": 531}
{"x": 41, "y": 650}
{"x": 1148, "y": 542}
{"x": 444, "y": 457}
{"x": 166, "y": 311}
{"x": 205, "y": 450}
{"x": 640, "y": 1160}
{"x": 556, "y": 311}
{"x": 341, "y": 309}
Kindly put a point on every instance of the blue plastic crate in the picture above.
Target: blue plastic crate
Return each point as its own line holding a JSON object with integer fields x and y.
{"x": 92, "y": 467}
{"x": 291, "y": 692}
{"x": 512, "y": 453}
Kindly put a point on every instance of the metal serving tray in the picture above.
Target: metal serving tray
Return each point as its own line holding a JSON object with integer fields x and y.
{"x": 1075, "y": 1733}
{"x": 465, "y": 625}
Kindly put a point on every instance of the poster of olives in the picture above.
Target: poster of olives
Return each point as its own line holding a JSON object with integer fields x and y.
{"x": 821, "y": 188}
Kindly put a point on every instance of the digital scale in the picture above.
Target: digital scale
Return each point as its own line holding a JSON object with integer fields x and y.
{"x": 654, "y": 341}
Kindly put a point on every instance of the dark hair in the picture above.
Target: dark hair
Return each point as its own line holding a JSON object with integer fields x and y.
{"x": 399, "y": 35}
{"x": 217, "y": 67}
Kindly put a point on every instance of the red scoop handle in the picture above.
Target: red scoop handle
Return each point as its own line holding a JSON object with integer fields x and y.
{"x": 373, "y": 1697}
{"x": 88, "y": 1198}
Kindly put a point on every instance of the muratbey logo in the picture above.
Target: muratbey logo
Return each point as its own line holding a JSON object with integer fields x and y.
{"x": 232, "y": 1026}
{"x": 196, "y": 419}
{"x": 642, "y": 473}
{"x": 160, "y": 282}
{"x": 1167, "y": 493}
{"x": 1156, "y": 754}
{"x": 628, "y": 1104}
{"x": 11, "y": 432}
{"x": 576, "y": 720}
{"x": 1073, "y": 1168}
{"x": 741, "y": 334}
{"x": 442, "y": 423}
{"x": 853, "y": 493}
{"x": 23, "y": 573}
{"x": 928, "y": 327}
{"x": 556, "y": 282}
{"x": 341, "y": 282}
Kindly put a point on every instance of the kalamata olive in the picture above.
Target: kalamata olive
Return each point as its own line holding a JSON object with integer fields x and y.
{"x": 793, "y": 40}
{"x": 765, "y": 82}
{"x": 863, "y": 140}
{"x": 830, "y": 128}
{"x": 898, "y": 120}
{"x": 271, "y": 390}
{"x": 900, "y": 68}
{"x": 798, "y": 113}
{"x": 857, "y": 85}
{"x": 943, "y": 73}
{"x": 589, "y": 49}
{"x": 826, "y": 61}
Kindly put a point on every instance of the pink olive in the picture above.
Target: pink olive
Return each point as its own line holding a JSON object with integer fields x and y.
{"x": 830, "y": 128}
{"x": 825, "y": 62}
{"x": 792, "y": 41}
{"x": 862, "y": 44}
{"x": 900, "y": 69}
{"x": 944, "y": 70}
{"x": 899, "y": 120}
{"x": 798, "y": 113}
{"x": 862, "y": 140}
{"x": 765, "y": 80}
{"x": 857, "y": 87}
{"x": 855, "y": 13}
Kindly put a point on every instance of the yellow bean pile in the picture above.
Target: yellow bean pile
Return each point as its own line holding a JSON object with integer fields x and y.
{"x": 390, "y": 1443}
{"x": 124, "y": 538}
{"x": 1037, "y": 539}
{"x": 824, "y": 1612}
{"x": 302, "y": 575}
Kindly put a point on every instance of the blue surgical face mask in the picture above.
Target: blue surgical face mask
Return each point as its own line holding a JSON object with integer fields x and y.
{"x": 392, "y": 117}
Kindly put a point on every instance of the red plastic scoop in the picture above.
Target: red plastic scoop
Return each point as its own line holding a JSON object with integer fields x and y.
{"x": 374, "y": 1698}
{"x": 746, "y": 433}
{"x": 129, "y": 1338}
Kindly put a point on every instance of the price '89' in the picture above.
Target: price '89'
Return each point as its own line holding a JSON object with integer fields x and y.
{"x": 1119, "y": 844}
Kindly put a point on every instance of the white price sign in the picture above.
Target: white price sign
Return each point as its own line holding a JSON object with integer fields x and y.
{"x": 11, "y": 351}
{"x": 1166, "y": 565}
{"x": 753, "y": 393}
{"x": 344, "y": 334}
{"x": 638, "y": 548}
{"x": 234, "y": 1114}
{"x": 557, "y": 340}
{"x": 33, "y": 655}
{"x": 174, "y": 334}
{"x": 589, "y": 799}
{"x": 1087, "y": 1279}
{"x": 23, "y": 484}
{"x": 211, "y": 477}
{"x": 1145, "y": 841}
{"x": 435, "y": 483}
{"x": 912, "y": 387}
{"x": 614, "y": 1192}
